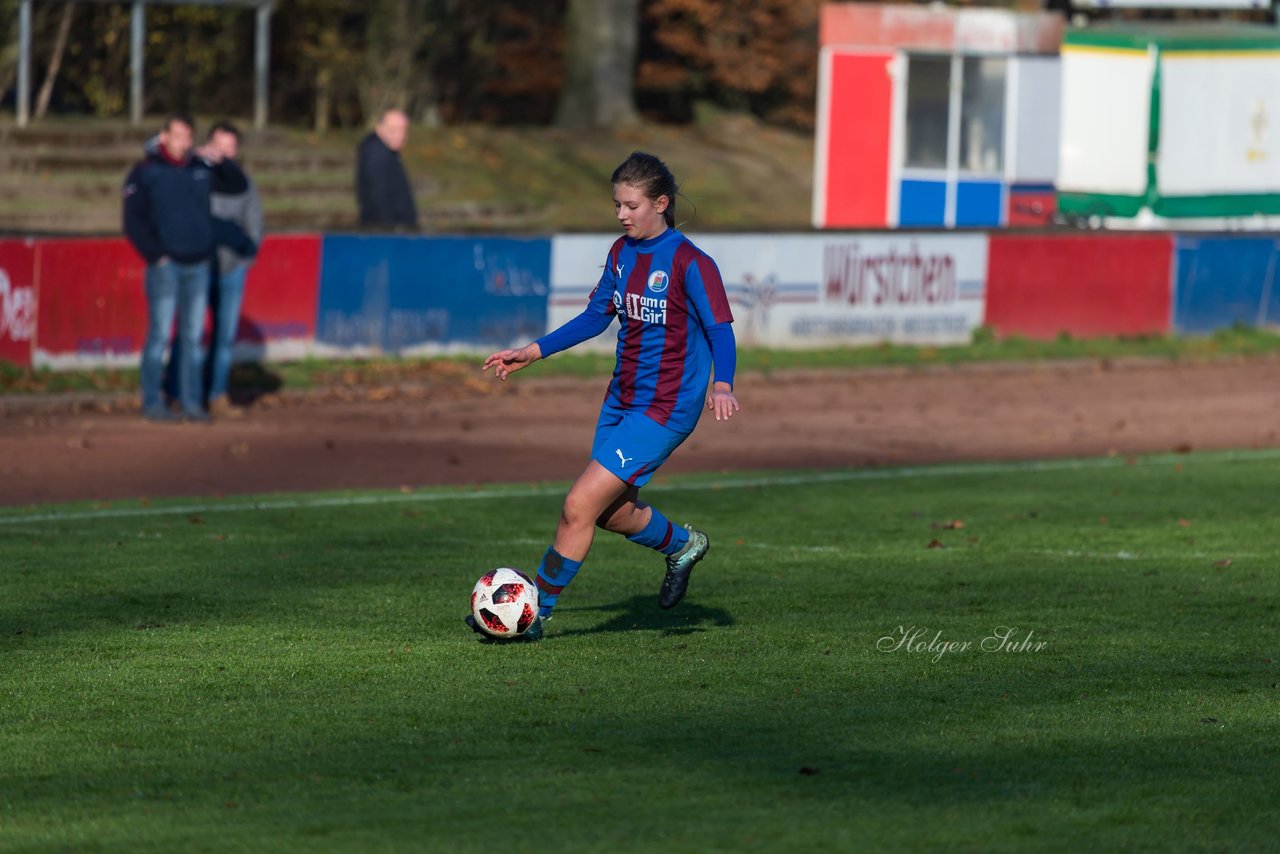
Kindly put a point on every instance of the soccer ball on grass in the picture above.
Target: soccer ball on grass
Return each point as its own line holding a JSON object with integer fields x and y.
{"x": 504, "y": 602}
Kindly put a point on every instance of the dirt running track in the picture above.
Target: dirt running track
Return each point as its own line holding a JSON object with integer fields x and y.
{"x": 461, "y": 430}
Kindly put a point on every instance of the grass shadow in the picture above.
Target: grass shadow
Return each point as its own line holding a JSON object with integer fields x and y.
{"x": 641, "y": 613}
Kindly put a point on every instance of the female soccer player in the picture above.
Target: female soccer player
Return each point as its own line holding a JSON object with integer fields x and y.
{"x": 674, "y": 325}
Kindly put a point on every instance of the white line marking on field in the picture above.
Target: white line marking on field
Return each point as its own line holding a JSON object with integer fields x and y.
{"x": 747, "y": 482}
{"x": 1123, "y": 555}
{"x": 773, "y": 547}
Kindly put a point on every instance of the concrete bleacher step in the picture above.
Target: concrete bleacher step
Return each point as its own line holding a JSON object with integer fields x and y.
{"x": 83, "y": 132}
{"x": 28, "y": 185}
{"x": 66, "y": 177}
{"x": 117, "y": 158}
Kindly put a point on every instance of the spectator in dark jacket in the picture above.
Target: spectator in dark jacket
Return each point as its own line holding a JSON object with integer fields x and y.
{"x": 382, "y": 185}
{"x": 167, "y": 218}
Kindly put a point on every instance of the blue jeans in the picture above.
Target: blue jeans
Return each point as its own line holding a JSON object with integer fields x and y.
{"x": 182, "y": 288}
{"x": 225, "y": 299}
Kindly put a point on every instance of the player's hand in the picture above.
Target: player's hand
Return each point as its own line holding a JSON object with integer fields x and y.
{"x": 722, "y": 402}
{"x": 507, "y": 362}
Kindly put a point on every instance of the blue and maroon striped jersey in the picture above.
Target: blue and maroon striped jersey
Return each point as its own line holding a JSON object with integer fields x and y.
{"x": 665, "y": 292}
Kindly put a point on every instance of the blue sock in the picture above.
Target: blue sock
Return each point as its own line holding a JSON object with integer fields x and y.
{"x": 661, "y": 535}
{"x": 554, "y": 574}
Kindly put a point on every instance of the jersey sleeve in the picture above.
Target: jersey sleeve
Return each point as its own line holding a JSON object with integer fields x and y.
{"x": 724, "y": 352}
{"x": 601, "y": 298}
{"x": 705, "y": 290}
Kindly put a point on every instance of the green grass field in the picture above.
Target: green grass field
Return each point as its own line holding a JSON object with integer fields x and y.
{"x": 293, "y": 674}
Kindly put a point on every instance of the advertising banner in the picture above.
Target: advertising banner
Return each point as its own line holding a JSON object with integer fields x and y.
{"x": 1082, "y": 285}
{"x": 282, "y": 290}
{"x": 427, "y": 294}
{"x": 17, "y": 301}
{"x": 810, "y": 291}
{"x": 1226, "y": 281}
{"x": 92, "y": 307}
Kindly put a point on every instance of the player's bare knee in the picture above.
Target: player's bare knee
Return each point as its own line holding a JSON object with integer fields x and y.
{"x": 576, "y": 513}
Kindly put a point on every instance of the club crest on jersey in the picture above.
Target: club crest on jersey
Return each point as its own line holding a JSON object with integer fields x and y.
{"x": 658, "y": 281}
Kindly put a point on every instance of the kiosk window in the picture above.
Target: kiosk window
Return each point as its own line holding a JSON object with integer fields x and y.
{"x": 982, "y": 115}
{"x": 928, "y": 89}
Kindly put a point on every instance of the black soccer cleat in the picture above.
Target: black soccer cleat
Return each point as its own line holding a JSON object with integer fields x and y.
{"x": 680, "y": 566}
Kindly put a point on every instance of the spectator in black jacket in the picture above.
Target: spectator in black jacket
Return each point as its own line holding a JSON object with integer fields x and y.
{"x": 382, "y": 185}
{"x": 167, "y": 218}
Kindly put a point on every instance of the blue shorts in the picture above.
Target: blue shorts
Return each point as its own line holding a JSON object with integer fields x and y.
{"x": 632, "y": 445}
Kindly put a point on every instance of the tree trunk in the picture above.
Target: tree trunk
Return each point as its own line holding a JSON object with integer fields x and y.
{"x": 600, "y": 57}
{"x": 55, "y": 62}
{"x": 324, "y": 95}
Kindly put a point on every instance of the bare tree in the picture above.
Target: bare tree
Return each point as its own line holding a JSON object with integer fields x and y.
{"x": 55, "y": 62}
{"x": 600, "y": 59}
{"x": 394, "y": 35}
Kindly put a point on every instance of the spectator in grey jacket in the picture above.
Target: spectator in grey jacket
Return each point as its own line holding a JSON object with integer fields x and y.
{"x": 382, "y": 185}
{"x": 243, "y": 210}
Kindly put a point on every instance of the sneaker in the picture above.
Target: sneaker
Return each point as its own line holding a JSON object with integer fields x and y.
{"x": 221, "y": 408}
{"x": 533, "y": 634}
{"x": 680, "y": 566}
{"x": 197, "y": 417}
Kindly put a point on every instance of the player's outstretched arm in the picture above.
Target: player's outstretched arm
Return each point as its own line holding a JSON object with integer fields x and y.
{"x": 721, "y": 401}
{"x": 507, "y": 362}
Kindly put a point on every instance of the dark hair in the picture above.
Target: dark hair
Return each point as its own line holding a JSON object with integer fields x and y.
{"x": 178, "y": 117}
{"x": 225, "y": 127}
{"x": 650, "y": 176}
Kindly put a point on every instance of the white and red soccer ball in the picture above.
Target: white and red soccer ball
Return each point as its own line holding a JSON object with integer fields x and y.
{"x": 504, "y": 602}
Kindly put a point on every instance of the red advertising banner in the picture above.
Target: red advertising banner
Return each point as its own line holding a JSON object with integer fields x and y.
{"x": 1082, "y": 285}
{"x": 17, "y": 300}
{"x": 282, "y": 291}
{"x": 92, "y": 307}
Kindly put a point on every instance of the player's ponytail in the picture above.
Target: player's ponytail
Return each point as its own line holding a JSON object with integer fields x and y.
{"x": 650, "y": 176}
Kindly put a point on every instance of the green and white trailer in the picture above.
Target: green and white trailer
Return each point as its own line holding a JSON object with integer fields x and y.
{"x": 1171, "y": 126}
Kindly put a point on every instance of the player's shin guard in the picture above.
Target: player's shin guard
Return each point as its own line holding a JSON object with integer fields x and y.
{"x": 661, "y": 535}
{"x": 554, "y": 574}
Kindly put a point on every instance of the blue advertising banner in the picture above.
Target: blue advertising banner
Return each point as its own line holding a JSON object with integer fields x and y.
{"x": 397, "y": 294}
{"x": 1225, "y": 281}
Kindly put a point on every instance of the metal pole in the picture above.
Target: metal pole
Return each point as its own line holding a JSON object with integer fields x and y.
{"x": 955, "y": 104}
{"x": 24, "y": 63}
{"x": 261, "y": 65}
{"x": 137, "y": 31}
